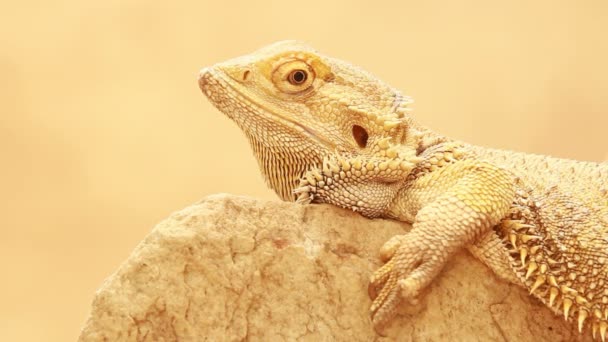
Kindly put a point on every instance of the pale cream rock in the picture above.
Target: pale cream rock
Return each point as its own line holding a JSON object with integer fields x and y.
{"x": 233, "y": 268}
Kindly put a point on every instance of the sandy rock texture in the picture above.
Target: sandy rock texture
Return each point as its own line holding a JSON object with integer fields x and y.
{"x": 233, "y": 268}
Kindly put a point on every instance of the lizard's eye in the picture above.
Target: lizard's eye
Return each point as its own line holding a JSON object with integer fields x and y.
{"x": 360, "y": 135}
{"x": 293, "y": 77}
{"x": 297, "y": 77}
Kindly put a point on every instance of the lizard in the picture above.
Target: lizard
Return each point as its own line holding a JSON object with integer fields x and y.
{"x": 326, "y": 131}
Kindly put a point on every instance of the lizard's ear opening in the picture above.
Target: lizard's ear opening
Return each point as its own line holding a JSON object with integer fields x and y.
{"x": 360, "y": 135}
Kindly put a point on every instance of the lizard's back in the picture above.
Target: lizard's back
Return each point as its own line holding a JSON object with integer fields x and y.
{"x": 543, "y": 172}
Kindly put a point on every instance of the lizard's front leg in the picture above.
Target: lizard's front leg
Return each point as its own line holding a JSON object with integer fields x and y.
{"x": 458, "y": 203}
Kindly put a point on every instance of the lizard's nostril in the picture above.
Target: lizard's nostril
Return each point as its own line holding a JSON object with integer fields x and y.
{"x": 207, "y": 78}
{"x": 202, "y": 77}
{"x": 203, "y": 72}
{"x": 245, "y": 75}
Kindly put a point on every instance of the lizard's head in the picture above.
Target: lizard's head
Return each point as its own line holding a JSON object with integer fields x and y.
{"x": 297, "y": 106}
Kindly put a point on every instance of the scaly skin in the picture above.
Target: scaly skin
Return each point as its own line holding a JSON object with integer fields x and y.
{"x": 325, "y": 131}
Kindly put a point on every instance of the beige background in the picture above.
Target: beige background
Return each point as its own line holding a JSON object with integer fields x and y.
{"x": 103, "y": 131}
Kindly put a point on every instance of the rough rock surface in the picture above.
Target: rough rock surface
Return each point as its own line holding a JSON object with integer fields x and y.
{"x": 233, "y": 268}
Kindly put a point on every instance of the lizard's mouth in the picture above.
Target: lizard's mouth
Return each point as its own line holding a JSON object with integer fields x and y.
{"x": 241, "y": 105}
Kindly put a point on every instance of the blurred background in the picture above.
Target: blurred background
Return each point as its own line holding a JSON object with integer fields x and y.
{"x": 103, "y": 131}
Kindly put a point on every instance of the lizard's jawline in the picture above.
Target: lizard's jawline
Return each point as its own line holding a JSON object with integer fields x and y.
{"x": 225, "y": 82}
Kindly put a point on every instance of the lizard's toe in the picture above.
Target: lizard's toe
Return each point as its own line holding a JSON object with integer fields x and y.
{"x": 410, "y": 288}
{"x": 390, "y": 247}
{"x": 384, "y": 307}
{"x": 378, "y": 280}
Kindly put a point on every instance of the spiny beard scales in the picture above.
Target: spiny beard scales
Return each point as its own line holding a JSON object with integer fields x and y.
{"x": 282, "y": 168}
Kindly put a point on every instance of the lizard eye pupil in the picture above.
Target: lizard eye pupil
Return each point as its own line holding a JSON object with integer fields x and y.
{"x": 360, "y": 135}
{"x": 297, "y": 77}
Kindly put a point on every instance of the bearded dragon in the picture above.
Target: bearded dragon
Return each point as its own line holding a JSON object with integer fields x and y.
{"x": 325, "y": 131}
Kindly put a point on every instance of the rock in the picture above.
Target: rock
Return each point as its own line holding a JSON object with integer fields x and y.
{"x": 233, "y": 268}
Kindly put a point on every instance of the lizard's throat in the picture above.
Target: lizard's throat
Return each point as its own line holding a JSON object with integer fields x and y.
{"x": 282, "y": 168}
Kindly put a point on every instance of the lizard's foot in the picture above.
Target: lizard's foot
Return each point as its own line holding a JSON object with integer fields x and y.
{"x": 411, "y": 266}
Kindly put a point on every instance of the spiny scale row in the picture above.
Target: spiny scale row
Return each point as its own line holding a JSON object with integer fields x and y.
{"x": 337, "y": 168}
{"x": 437, "y": 160}
{"x": 386, "y": 119}
{"x": 526, "y": 243}
{"x": 384, "y": 148}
